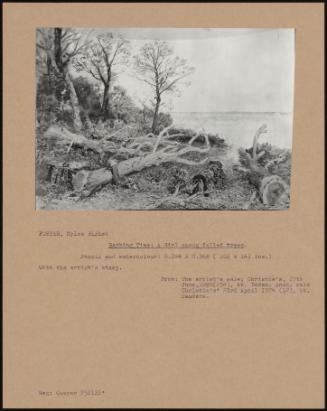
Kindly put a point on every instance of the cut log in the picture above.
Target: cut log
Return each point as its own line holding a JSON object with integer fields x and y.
{"x": 87, "y": 182}
{"x": 274, "y": 191}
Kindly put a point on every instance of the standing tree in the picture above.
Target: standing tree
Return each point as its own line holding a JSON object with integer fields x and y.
{"x": 157, "y": 66}
{"x": 56, "y": 49}
{"x": 104, "y": 60}
{"x": 44, "y": 51}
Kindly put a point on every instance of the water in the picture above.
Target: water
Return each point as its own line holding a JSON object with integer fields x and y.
{"x": 238, "y": 128}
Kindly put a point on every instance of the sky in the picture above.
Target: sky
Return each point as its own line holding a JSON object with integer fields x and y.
{"x": 235, "y": 69}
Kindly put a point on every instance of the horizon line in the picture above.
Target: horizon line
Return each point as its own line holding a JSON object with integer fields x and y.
{"x": 234, "y": 111}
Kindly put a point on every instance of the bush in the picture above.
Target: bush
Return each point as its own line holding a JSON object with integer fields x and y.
{"x": 53, "y": 101}
{"x": 88, "y": 98}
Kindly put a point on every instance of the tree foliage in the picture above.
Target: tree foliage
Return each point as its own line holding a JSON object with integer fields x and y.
{"x": 103, "y": 60}
{"x": 157, "y": 66}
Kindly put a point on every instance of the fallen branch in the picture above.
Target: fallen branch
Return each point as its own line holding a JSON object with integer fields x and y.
{"x": 160, "y": 136}
{"x": 62, "y": 136}
{"x": 87, "y": 182}
{"x": 142, "y": 152}
{"x": 273, "y": 190}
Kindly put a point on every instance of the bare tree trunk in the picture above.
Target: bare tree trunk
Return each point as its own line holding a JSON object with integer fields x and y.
{"x": 105, "y": 102}
{"x": 106, "y": 111}
{"x": 57, "y": 48}
{"x": 74, "y": 102}
{"x": 63, "y": 67}
{"x": 155, "y": 116}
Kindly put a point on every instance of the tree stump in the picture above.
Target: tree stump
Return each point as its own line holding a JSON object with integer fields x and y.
{"x": 274, "y": 191}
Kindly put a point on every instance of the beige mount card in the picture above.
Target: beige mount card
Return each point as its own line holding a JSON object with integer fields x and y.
{"x": 163, "y": 205}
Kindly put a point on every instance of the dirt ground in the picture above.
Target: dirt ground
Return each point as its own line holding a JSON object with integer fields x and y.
{"x": 234, "y": 196}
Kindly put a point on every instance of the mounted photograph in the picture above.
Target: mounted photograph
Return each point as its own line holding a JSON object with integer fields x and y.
{"x": 164, "y": 118}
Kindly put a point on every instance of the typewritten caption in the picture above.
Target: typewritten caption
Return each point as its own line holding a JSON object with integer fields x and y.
{"x": 114, "y": 256}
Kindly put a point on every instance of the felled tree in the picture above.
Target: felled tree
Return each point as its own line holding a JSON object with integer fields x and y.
{"x": 157, "y": 66}
{"x": 104, "y": 59}
{"x": 272, "y": 189}
{"x": 139, "y": 153}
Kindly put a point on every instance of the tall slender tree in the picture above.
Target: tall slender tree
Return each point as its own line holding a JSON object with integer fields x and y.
{"x": 163, "y": 71}
{"x": 104, "y": 60}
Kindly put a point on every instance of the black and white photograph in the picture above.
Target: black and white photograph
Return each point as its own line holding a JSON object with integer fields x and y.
{"x": 164, "y": 118}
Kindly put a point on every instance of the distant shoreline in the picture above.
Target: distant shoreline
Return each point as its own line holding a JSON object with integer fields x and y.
{"x": 229, "y": 112}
